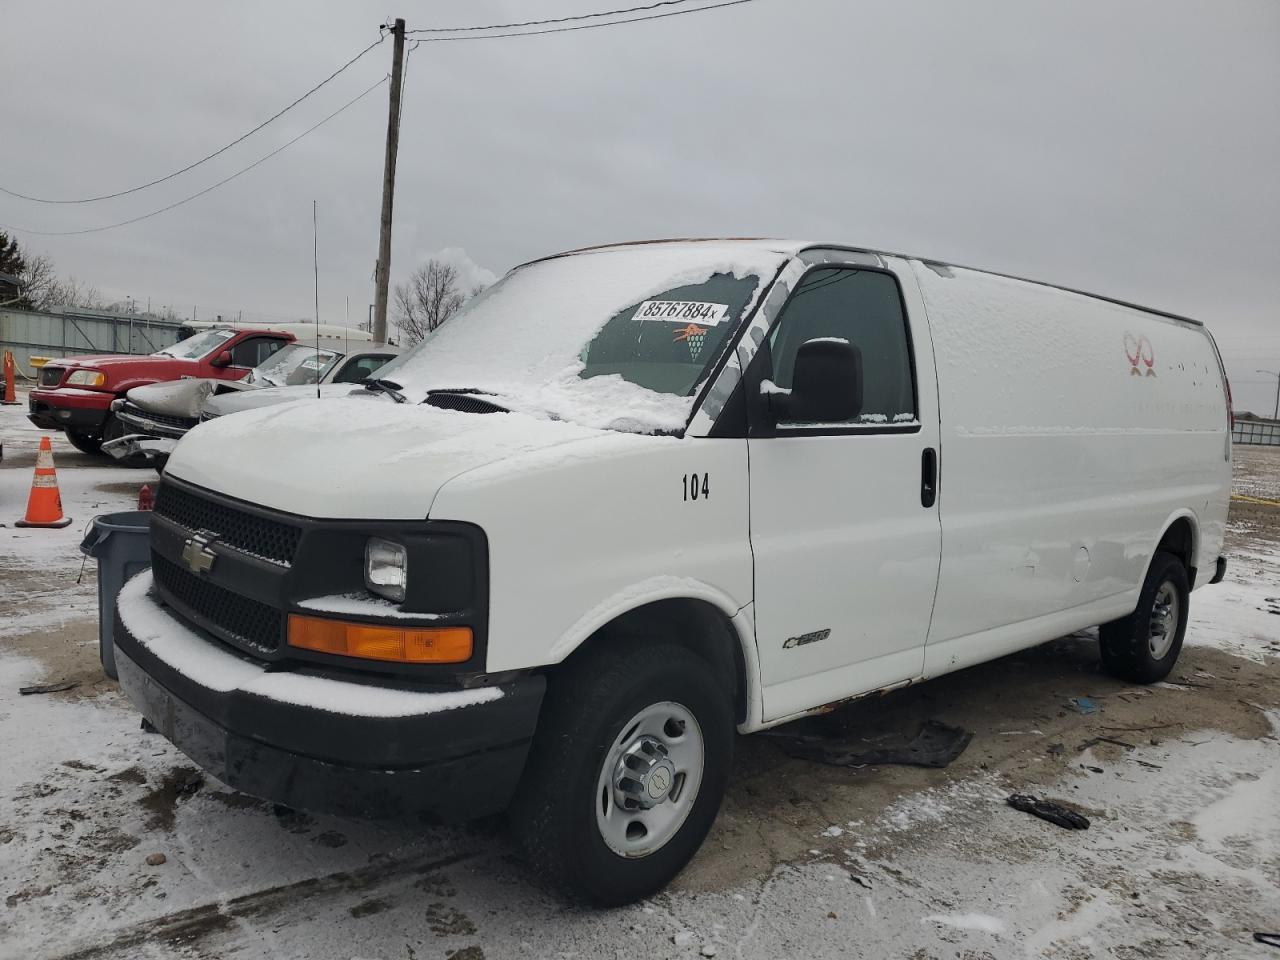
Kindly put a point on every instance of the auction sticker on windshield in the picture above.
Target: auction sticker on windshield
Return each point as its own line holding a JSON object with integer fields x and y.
{"x": 702, "y": 312}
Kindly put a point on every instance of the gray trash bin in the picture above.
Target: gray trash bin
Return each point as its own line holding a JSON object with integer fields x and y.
{"x": 121, "y": 543}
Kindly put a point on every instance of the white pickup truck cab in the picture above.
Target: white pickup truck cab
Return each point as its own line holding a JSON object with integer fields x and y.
{"x": 632, "y": 500}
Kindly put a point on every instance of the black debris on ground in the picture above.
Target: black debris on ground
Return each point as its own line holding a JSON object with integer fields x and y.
{"x": 56, "y": 687}
{"x": 934, "y": 744}
{"x": 1049, "y": 810}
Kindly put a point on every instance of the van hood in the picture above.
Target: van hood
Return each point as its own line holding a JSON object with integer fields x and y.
{"x": 357, "y": 457}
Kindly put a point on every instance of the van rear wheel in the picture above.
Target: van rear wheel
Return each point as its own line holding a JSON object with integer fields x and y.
{"x": 627, "y": 771}
{"x": 1144, "y": 646}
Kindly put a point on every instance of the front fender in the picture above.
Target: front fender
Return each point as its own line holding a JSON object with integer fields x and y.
{"x": 585, "y": 531}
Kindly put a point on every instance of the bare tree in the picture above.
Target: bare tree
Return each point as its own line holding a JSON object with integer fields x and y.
{"x": 431, "y": 296}
{"x": 73, "y": 292}
{"x": 38, "y": 279}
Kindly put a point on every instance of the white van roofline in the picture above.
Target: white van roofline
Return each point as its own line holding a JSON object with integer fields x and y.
{"x": 793, "y": 248}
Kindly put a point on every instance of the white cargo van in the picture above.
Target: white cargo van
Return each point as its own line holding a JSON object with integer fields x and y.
{"x": 633, "y": 499}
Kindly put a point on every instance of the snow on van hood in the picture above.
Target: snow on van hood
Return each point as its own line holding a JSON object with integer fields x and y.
{"x": 354, "y": 457}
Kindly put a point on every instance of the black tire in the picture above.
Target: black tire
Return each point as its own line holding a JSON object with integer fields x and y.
{"x": 554, "y": 813}
{"x": 113, "y": 429}
{"x": 85, "y": 442}
{"x": 1126, "y": 644}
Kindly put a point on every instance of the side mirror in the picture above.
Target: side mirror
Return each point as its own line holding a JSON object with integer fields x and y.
{"x": 221, "y": 360}
{"x": 826, "y": 385}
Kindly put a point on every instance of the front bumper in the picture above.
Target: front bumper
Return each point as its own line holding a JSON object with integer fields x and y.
{"x": 69, "y": 409}
{"x": 364, "y": 746}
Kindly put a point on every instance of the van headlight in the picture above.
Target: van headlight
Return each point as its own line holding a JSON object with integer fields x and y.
{"x": 386, "y": 568}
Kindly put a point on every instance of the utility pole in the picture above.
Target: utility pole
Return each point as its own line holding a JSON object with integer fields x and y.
{"x": 383, "y": 273}
{"x": 1272, "y": 373}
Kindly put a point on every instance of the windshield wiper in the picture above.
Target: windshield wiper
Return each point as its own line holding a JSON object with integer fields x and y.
{"x": 389, "y": 387}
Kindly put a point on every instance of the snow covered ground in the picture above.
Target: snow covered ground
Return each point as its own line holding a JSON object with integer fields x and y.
{"x": 1180, "y": 781}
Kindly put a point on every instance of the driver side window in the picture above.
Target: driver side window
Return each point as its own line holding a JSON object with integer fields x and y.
{"x": 864, "y": 308}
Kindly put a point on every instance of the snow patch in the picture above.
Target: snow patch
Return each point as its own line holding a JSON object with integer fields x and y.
{"x": 968, "y": 921}
{"x": 361, "y": 605}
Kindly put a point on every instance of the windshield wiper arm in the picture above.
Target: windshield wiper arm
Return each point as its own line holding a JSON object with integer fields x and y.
{"x": 389, "y": 387}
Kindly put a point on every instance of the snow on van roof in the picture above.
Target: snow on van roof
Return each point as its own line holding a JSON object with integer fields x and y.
{"x": 795, "y": 247}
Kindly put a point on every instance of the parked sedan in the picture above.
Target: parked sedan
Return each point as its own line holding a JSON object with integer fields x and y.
{"x": 157, "y": 416}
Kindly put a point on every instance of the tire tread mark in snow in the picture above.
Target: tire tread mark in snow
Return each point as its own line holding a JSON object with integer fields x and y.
{"x": 195, "y": 923}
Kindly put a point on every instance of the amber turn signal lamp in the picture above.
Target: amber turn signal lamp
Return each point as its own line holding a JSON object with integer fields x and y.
{"x": 370, "y": 642}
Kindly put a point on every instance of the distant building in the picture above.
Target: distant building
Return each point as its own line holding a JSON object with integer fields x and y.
{"x": 8, "y": 287}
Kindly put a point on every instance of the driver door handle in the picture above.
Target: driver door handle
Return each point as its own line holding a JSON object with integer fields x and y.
{"x": 928, "y": 477}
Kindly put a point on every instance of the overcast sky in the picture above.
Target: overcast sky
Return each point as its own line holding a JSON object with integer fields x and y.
{"x": 1130, "y": 148}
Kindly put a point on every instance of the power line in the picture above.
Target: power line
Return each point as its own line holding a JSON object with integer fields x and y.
{"x": 205, "y": 159}
{"x": 244, "y": 170}
{"x": 648, "y": 15}
{"x": 585, "y": 26}
{"x": 404, "y": 81}
{"x": 540, "y": 23}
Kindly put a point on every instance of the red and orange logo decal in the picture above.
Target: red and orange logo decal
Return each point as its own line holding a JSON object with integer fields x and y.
{"x": 1140, "y": 353}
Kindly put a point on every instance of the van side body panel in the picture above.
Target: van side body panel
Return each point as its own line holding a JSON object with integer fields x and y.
{"x": 1074, "y": 431}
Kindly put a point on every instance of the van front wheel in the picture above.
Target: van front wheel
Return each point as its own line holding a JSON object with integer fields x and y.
{"x": 627, "y": 771}
{"x": 1144, "y": 646}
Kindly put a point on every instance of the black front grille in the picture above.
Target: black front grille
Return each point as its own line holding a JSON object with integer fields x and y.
{"x": 256, "y": 536}
{"x": 463, "y": 403}
{"x": 180, "y": 422}
{"x": 249, "y": 623}
{"x": 51, "y": 376}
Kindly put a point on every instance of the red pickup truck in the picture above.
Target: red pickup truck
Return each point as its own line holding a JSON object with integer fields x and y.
{"x": 75, "y": 395}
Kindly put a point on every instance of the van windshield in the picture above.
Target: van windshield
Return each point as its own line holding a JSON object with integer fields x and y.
{"x": 293, "y": 365}
{"x": 620, "y": 338}
{"x": 198, "y": 346}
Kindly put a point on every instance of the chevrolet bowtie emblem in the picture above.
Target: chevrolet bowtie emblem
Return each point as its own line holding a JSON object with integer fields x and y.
{"x": 197, "y": 555}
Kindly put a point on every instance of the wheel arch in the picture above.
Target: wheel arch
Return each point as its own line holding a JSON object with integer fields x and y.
{"x": 1181, "y": 537}
{"x": 695, "y": 615}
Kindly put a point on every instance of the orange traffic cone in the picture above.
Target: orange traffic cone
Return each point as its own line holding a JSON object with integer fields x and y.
{"x": 10, "y": 375}
{"x": 44, "y": 509}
